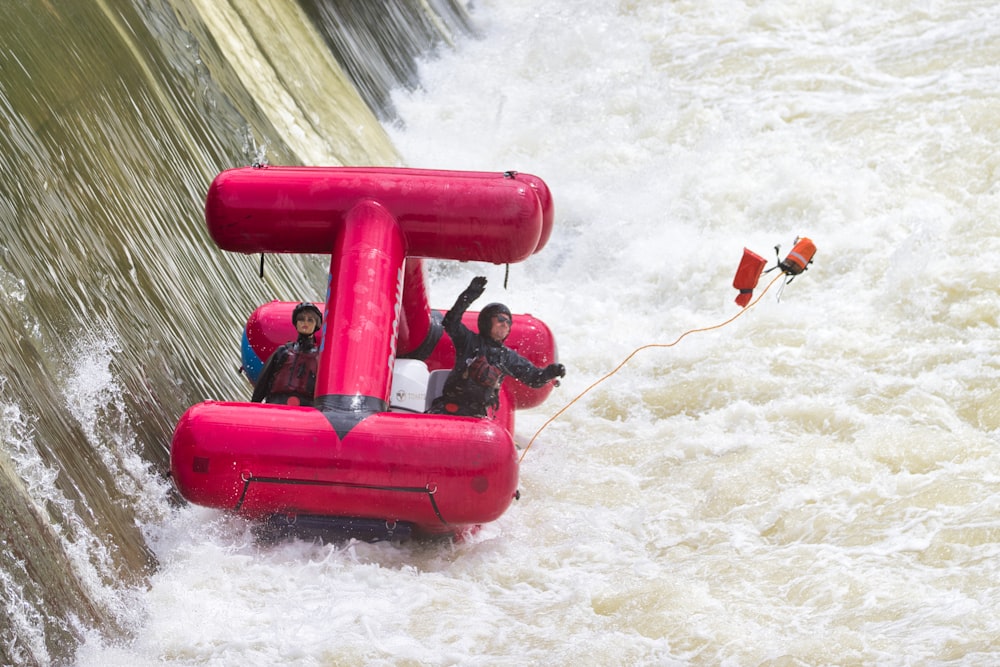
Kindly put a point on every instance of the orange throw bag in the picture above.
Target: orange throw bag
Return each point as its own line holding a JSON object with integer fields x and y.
{"x": 747, "y": 275}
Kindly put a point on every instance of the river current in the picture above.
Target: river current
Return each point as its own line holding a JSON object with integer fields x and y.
{"x": 813, "y": 483}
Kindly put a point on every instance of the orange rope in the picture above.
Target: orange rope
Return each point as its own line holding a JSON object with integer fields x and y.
{"x": 635, "y": 352}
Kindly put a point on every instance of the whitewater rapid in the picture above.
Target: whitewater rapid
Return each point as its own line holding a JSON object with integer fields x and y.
{"x": 814, "y": 483}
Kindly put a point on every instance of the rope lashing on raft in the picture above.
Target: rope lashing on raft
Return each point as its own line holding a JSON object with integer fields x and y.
{"x": 750, "y": 270}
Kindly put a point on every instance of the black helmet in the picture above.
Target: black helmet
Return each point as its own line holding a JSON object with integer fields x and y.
{"x": 305, "y": 305}
{"x": 486, "y": 317}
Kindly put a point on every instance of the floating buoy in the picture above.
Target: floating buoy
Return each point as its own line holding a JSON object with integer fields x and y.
{"x": 747, "y": 275}
{"x": 799, "y": 259}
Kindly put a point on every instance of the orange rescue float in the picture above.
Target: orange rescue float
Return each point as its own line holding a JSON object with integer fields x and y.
{"x": 799, "y": 259}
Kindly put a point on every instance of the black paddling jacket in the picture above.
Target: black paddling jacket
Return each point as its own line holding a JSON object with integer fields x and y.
{"x": 481, "y": 364}
{"x": 290, "y": 373}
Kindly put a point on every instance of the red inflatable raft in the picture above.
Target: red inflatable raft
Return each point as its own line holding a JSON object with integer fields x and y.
{"x": 365, "y": 455}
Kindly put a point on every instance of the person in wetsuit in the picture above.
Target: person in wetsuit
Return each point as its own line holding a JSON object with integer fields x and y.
{"x": 482, "y": 361}
{"x": 289, "y": 376}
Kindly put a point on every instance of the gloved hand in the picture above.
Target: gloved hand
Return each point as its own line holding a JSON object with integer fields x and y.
{"x": 553, "y": 371}
{"x": 474, "y": 290}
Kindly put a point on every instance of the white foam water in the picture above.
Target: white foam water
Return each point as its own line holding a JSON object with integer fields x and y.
{"x": 814, "y": 483}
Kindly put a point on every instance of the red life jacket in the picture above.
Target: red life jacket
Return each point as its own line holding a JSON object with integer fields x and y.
{"x": 296, "y": 377}
{"x": 485, "y": 374}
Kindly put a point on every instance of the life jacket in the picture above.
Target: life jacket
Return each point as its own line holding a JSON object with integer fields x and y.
{"x": 296, "y": 378}
{"x": 483, "y": 373}
{"x": 472, "y": 390}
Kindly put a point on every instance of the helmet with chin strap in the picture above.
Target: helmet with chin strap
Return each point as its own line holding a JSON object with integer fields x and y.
{"x": 304, "y": 307}
{"x": 486, "y": 315}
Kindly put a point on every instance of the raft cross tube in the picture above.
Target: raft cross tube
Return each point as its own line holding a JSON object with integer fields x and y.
{"x": 467, "y": 216}
{"x": 289, "y": 460}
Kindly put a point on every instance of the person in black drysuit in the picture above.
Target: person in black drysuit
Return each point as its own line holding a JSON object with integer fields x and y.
{"x": 482, "y": 361}
{"x": 289, "y": 376}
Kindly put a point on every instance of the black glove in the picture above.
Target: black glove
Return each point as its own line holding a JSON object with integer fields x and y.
{"x": 474, "y": 290}
{"x": 553, "y": 371}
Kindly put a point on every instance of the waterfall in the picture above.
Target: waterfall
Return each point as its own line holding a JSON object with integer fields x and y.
{"x": 118, "y": 312}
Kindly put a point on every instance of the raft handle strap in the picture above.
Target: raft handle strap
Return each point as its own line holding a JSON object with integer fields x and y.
{"x": 247, "y": 478}
{"x": 243, "y": 496}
